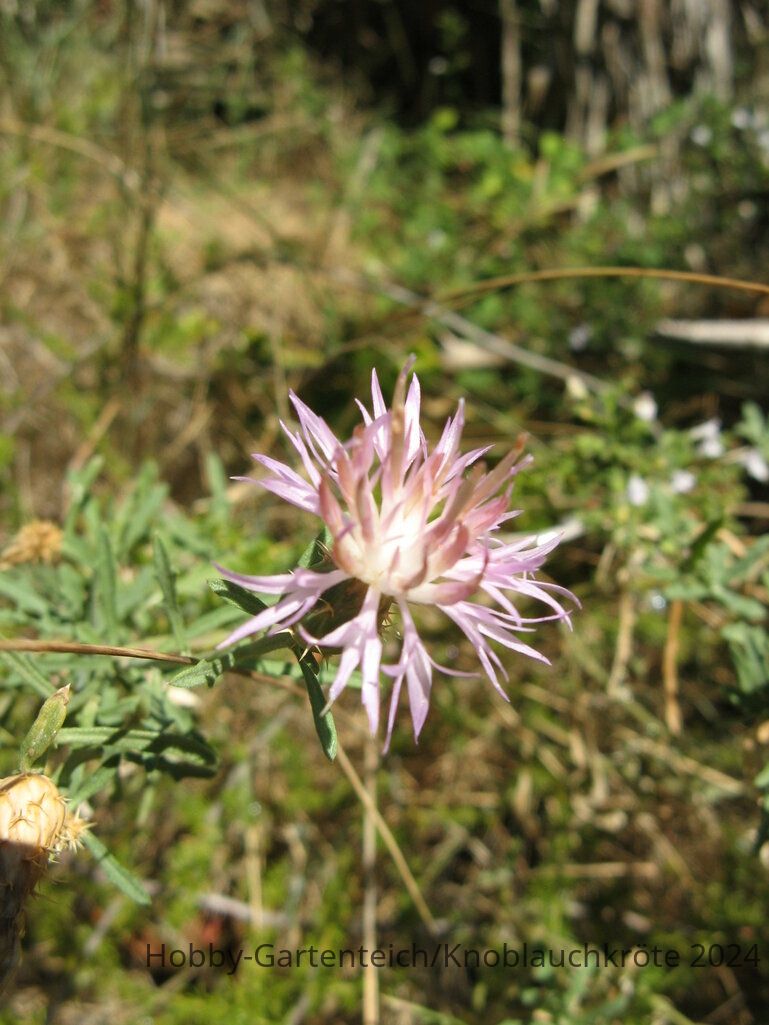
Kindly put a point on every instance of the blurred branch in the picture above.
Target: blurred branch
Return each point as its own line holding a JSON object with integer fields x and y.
{"x": 673, "y": 716}
{"x": 511, "y": 69}
{"x": 564, "y": 273}
{"x": 484, "y": 339}
{"x": 128, "y": 178}
{"x": 738, "y": 333}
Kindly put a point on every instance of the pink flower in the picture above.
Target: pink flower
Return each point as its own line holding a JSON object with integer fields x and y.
{"x": 410, "y": 527}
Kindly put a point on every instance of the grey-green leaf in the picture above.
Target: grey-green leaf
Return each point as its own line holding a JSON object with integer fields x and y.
{"x": 245, "y": 600}
{"x": 25, "y": 668}
{"x": 106, "y": 587}
{"x": 118, "y": 874}
{"x": 324, "y": 723}
{"x": 165, "y": 577}
{"x": 316, "y": 550}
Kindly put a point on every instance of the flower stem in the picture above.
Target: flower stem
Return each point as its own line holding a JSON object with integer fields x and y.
{"x": 370, "y": 977}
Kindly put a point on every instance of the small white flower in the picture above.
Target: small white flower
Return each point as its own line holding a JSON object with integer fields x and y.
{"x": 645, "y": 408}
{"x": 708, "y": 434}
{"x": 755, "y": 465}
{"x": 711, "y": 448}
{"x": 637, "y": 490}
{"x": 576, "y": 388}
{"x": 579, "y": 337}
{"x": 741, "y": 118}
{"x": 682, "y": 482}
{"x": 701, "y": 135}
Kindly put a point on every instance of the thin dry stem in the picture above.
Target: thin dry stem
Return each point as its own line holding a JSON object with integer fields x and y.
{"x": 389, "y": 841}
{"x": 624, "y": 649}
{"x": 369, "y": 917}
{"x": 673, "y": 717}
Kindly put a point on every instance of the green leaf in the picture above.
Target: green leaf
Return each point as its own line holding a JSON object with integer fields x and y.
{"x": 105, "y": 594}
{"x": 79, "y": 484}
{"x": 24, "y": 597}
{"x": 216, "y": 478}
{"x": 749, "y": 648}
{"x": 317, "y": 550}
{"x": 701, "y": 542}
{"x": 118, "y": 874}
{"x": 93, "y": 781}
{"x": 215, "y": 620}
{"x": 208, "y": 670}
{"x": 140, "y": 510}
{"x": 245, "y": 600}
{"x": 167, "y": 583}
{"x": 24, "y": 667}
{"x": 324, "y": 723}
{"x": 175, "y": 753}
{"x": 204, "y": 673}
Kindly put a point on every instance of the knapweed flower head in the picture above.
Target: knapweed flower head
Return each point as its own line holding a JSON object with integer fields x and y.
{"x": 409, "y": 527}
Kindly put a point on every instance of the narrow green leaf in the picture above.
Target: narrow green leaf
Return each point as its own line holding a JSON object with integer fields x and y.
{"x": 215, "y": 620}
{"x": 324, "y": 724}
{"x": 136, "y": 515}
{"x": 79, "y": 485}
{"x": 106, "y": 586}
{"x": 204, "y": 673}
{"x": 25, "y": 668}
{"x": 115, "y": 737}
{"x": 118, "y": 874}
{"x": 316, "y": 551}
{"x": 93, "y": 781}
{"x": 23, "y": 597}
{"x": 216, "y": 477}
{"x": 209, "y": 669}
{"x": 702, "y": 541}
{"x": 237, "y": 595}
{"x": 166, "y": 579}
{"x": 171, "y": 751}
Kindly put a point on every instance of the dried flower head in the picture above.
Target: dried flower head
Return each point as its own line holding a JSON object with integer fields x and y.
{"x": 37, "y": 541}
{"x": 411, "y": 527}
{"x": 34, "y": 824}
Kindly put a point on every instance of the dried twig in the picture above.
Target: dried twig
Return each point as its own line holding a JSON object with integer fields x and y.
{"x": 389, "y": 841}
{"x": 748, "y": 333}
{"x": 673, "y": 716}
{"x": 370, "y": 972}
{"x": 626, "y": 623}
{"x": 565, "y": 273}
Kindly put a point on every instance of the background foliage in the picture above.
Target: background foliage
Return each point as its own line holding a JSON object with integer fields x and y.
{"x": 206, "y": 203}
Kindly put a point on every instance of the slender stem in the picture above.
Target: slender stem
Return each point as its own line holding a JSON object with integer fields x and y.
{"x": 624, "y": 649}
{"x": 370, "y": 976}
{"x": 389, "y": 841}
{"x": 673, "y": 717}
{"x": 563, "y": 273}
{"x": 75, "y": 648}
{"x": 510, "y": 66}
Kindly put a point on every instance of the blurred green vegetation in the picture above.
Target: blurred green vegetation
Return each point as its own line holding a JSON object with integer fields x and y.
{"x": 199, "y": 214}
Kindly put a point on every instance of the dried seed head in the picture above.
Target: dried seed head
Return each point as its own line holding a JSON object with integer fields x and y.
{"x": 38, "y": 541}
{"x": 34, "y": 824}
